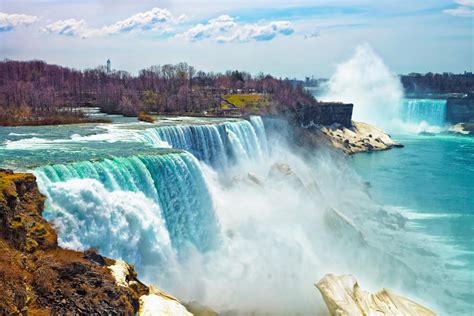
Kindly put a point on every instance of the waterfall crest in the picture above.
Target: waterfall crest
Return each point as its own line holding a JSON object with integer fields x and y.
{"x": 218, "y": 145}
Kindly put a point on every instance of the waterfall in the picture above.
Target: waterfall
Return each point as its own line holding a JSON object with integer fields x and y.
{"x": 431, "y": 111}
{"x": 155, "y": 202}
{"x": 218, "y": 144}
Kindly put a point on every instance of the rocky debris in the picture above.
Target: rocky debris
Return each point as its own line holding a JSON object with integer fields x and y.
{"x": 255, "y": 179}
{"x": 281, "y": 172}
{"x": 161, "y": 303}
{"x": 38, "y": 277}
{"x": 344, "y": 297}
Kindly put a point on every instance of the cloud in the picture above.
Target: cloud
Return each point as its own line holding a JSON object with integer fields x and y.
{"x": 9, "y": 21}
{"x": 469, "y": 3}
{"x": 225, "y": 29}
{"x": 463, "y": 10}
{"x": 70, "y": 27}
{"x": 156, "y": 20}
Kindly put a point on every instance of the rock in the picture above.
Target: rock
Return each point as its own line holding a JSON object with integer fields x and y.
{"x": 40, "y": 278}
{"x": 344, "y": 297}
{"x": 161, "y": 303}
{"x": 255, "y": 179}
{"x": 281, "y": 172}
{"x": 361, "y": 137}
{"x": 462, "y": 128}
{"x": 460, "y": 110}
{"x": 200, "y": 310}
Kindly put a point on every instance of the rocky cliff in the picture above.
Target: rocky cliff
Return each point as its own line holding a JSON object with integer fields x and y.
{"x": 323, "y": 113}
{"x": 38, "y": 277}
{"x": 460, "y": 110}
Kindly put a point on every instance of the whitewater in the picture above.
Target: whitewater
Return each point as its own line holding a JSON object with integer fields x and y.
{"x": 227, "y": 213}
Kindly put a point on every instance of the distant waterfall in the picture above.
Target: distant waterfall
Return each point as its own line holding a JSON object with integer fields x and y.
{"x": 216, "y": 144}
{"x": 430, "y": 111}
{"x": 159, "y": 200}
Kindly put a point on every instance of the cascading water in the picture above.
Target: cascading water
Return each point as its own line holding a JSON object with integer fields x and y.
{"x": 431, "y": 111}
{"x": 266, "y": 236}
{"x": 218, "y": 145}
{"x": 169, "y": 190}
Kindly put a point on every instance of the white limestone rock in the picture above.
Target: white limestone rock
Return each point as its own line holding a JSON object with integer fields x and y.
{"x": 344, "y": 297}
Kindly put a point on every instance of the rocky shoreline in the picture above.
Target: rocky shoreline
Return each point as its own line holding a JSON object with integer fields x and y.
{"x": 357, "y": 138}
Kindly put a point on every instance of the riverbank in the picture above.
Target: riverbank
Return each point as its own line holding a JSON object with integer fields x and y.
{"x": 55, "y": 120}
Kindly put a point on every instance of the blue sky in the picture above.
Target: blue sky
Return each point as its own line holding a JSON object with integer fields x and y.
{"x": 284, "y": 38}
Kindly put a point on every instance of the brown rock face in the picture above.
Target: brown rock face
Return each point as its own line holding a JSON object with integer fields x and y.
{"x": 37, "y": 276}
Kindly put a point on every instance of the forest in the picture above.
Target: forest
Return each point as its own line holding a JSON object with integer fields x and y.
{"x": 416, "y": 83}
{"x": 34, "y": 91}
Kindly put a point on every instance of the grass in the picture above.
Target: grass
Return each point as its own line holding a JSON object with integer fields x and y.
{"x": 247, "y": 101}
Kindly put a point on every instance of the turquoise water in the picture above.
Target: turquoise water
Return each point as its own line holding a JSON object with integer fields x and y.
{"x": 191, "y": 203}
{"x": 431, "y": 182}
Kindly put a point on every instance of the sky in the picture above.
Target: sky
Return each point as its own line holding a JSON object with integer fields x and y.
{"x": 284, "y": 38}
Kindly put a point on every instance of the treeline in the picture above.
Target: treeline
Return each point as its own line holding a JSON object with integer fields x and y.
{"x": 438, "y": 83}
{"x": 38, "y": 89}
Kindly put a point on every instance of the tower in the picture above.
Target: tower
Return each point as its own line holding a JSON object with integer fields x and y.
{"x": 108, "y": 66}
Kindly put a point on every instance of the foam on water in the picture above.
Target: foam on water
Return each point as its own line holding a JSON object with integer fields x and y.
{"x": 250, "y": 237}
{"x": 173, "y": 181}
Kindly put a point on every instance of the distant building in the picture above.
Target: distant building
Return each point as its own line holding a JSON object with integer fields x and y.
{"x": 109, "y": 69}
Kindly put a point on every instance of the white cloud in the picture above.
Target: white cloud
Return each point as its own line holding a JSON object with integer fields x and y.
{"x": 9, "y": 21}
{"x": 468, "y": 3}
{"x": 464, "y": 10}
{"x": 225, "y": 29}
{"x": 70, "y": 27}
{"x": 156, "y": 20}
{"x": 222, "y": 24}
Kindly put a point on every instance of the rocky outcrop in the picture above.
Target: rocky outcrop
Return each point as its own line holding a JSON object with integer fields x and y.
{"x": 462, "y": 128}
{"x": 361, "y": 137}
{"x": 38, "y": 277}
{"x": 460, "y": 110}
{"x": 344, "y": 297}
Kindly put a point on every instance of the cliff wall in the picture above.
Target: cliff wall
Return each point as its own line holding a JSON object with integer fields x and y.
{"x": 324, "y": 113}
{"x": 460, "y": 110}
{"x": 37, "y": 276}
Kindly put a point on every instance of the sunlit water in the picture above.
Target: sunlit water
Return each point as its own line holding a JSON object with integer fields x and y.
{"x": 430, "y": 181}
{"x": 175, "y": 198}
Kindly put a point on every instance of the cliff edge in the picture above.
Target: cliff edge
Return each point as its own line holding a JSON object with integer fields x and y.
{"x": 38, "y": 277}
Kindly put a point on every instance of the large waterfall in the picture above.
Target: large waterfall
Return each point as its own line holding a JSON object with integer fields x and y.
{"x": 431, "y": 111}
{"x": 210, "y": 220}
{"x": 166, "y": 193}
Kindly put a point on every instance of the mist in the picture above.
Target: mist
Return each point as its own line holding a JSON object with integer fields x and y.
{"x": 368, "y": 83}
